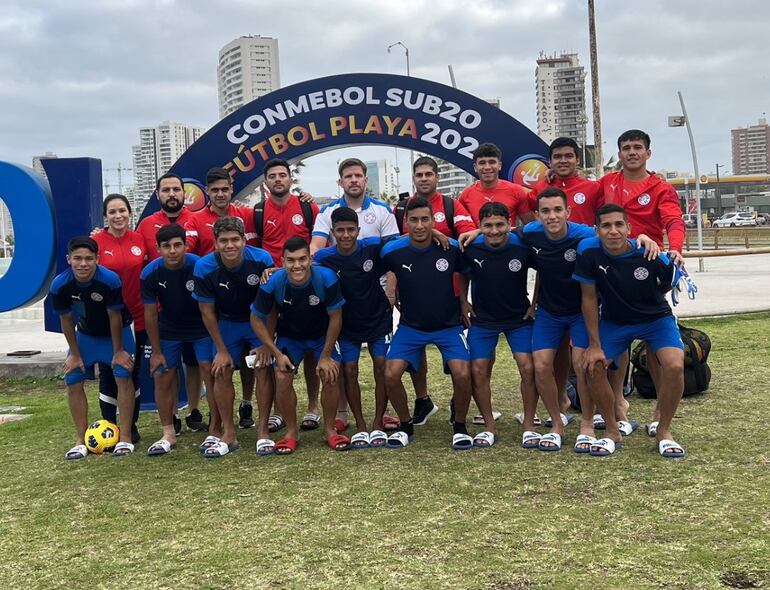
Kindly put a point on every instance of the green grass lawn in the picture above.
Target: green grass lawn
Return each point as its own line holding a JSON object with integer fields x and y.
{"x": 425, "y": 517}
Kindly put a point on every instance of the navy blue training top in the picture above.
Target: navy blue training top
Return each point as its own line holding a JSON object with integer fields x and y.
{"x": 303, "y": 310}
{"x": 425, "y": 283}
{"x": 366, "y": 315}
{"x": 231, "y": 291}
{"x": 555, "y": 260}
{"x": 90, "y": 301}
{"x": 632, "y": 289}
{"x": 179, "y": 317}
{"x": 499, "y": 282}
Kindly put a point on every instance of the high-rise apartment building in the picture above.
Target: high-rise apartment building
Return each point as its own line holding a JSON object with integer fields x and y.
{"x": 751, "y": 149}
{"x": 248, "y": 68}
{"x": 37, "y": 162}
{"x": 451, "y": 179}
{"x": 382, "y": 179}
{"x": 561, "y": 97}
{"x": 159, "y": 147}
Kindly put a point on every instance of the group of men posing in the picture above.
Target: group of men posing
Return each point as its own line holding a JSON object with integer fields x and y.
{"x": 317, "y": 285}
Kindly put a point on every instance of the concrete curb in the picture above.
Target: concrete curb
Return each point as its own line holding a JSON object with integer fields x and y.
{"x": 45, "y": 364}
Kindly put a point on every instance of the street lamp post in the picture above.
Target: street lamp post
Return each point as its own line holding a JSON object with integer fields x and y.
{"x": 718, "y": 192}
{"x": 408, "y": 73}
{"x": 684, "y": 121}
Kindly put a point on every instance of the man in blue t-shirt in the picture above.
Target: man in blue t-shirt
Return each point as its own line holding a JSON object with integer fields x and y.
{"x": 168, "y": 283}
{"x": 367, "y": 316}
{"x": 632, "y": 290}
{"x": 498, "y": 262}
{"x": 306, "y": 301}
{"x": 430, "y": 314}
{"x": 102, "y": 335}
{"x": 226, "y": 282}
{"x": 554, "y": 241}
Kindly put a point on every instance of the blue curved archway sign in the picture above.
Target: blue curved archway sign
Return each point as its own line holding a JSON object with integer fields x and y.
{"x": 28, "y": 198}
{"x": 361, "y": 109}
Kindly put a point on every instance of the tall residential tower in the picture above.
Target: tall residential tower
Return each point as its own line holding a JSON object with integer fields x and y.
{"x": 561, "y": 97}
{"x": 248, "y": 68}
{"x": 751, "y": 149}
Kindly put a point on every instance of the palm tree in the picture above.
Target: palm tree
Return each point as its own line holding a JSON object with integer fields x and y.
{"x": 295, "y": 171}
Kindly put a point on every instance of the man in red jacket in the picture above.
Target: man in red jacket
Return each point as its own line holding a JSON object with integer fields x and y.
{"x": 199, "y": 228}
{"x": 652, "y": 206}
{"x": 170, "y": 191}
{"x": 490, "y": 188}
{"x": 584, "y": 196}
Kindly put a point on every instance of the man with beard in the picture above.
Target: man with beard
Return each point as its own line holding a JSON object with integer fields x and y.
{"x": 170, "y": 191}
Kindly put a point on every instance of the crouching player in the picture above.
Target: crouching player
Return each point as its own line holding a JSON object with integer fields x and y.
{"x": 632, "y": 290}
{"x": 497, "y": 265}
{"x": 366, "y": 317}
{"x": 307, "y": 301}
{"x": 430, "y": 314}
{"x": 169, "y": 282}
{"x": 226, "y": 282}
{"x": 102, "y": 335}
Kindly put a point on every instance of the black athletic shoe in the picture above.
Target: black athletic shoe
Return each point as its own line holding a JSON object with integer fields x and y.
{"x": 245, "y": 413}
{"x": 424, "y": 408}
{"x": 177, "y": 425}
{"x": 135, "y": 436}
{"x": 195, "y": 421}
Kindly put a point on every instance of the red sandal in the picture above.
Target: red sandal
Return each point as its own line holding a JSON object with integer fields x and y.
{"x": 285, "y": 446}
{"x": 338, "y": 442}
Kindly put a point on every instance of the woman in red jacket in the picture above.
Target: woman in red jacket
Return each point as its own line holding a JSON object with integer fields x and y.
{"x": 122, "y": 250}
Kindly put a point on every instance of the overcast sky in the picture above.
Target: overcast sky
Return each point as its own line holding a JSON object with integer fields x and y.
{"x": 80, "y": 78}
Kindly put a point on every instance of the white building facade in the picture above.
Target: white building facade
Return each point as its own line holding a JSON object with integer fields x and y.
{"x": 248, "y": 68}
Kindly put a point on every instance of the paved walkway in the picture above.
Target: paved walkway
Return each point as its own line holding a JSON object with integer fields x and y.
{"x": 730, "y": 284}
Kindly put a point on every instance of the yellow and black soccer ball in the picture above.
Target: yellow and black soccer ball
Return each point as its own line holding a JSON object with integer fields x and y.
{"x": 102, "y": 436}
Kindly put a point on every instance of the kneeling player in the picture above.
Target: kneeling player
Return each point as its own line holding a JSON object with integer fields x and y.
{"x": 632, "y": 290}
{"x": 308, "y": 303}
{"x": 169, "y": 281}
{"x": 103, "y": 335}
{"x": 366, "y": 317}
{"x": 430, "y": 314}
{"x": 497, "y": 265}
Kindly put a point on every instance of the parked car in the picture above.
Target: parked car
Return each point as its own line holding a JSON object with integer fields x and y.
{"x": 690, "y": 219}
{"x": 763, "y": 218}
{"x": 735, "y": 219}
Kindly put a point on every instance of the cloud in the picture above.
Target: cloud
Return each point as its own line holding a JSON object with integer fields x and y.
{"x": 80, "y": 78}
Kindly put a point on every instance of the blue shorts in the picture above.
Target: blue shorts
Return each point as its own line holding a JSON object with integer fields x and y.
{"x": 483, "y": 341}
{"x": 351, "y": 350}
{"x": 549, "y": 330}
{"x": 408, "y": 344}
{"x": 237, "y": 336}
{"x": 174, "y": 351}
{"x": 98, "y": 349}
{"x": 660, "y": 333}
{"x": 295, "y": 349}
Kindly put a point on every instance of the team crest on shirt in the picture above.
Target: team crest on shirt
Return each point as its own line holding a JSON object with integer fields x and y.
{"x": 641, "y": 273}
{"x": 644, "y": 199}
{"x": 514, "y": 265}
{"x": 314, "y": 300}
{"x": 570, "y": 255}
{"x": 96, "y": 297}
{"x": 252, "y": 279}
{"x": 190, "y": 286}
{"x": 439, "y": 216}
{"x": 136, "y": 250}
{"x": 368, "y": 265}
{"x": 370, "y": 218}
{"x": 579, "y": 198}
{"x": 297, "y": 219}
{"x": 442, "y": 264}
